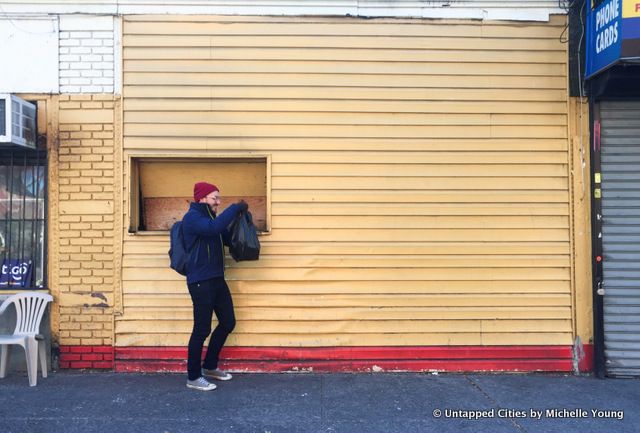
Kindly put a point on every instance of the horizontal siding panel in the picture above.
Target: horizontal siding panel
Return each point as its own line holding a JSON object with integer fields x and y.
{"x": 422, "y": 235}
{"x": 342, "y": 118}
{"x": 377, "y": 261}
{"x": 271, "y": 144}
{"x": 344, "y": 27}
{"x": 366, "y": 287}
{"x": 144, "y": 287}
{"x": 318, "y": 92}
{"x": 184, "y": 324}
{"x": 531, "y": 157}
{"x": 377, "y": 339}
{"x": 315, "y": 196}
{"x": 366, "y": 274}
{"x": 344, "y": 80}
{"x": 332, "y": 54}
{"x": 348, "y": 300}
{"x": 294, "y": 66}
{"x": 504, "y": 210}
{"x": 290, "y": 118}
{"x": 486, "y": 314}
{"x": 416, "y": 183}
{"x": 344, "y": 41}
{"x": 417, "y": 222}
{"x": 148, "y": 106}
{"x": 419, "y": 177}
{"x": 161, "y": 246}
{"x": 320, "y": 340}
{"x": 425, "y": 170}
{"x": 344, "y": 131}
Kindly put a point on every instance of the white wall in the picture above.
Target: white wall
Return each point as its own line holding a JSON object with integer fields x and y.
{"x": 87, "y": 53}
{"x": 29, "y": 55}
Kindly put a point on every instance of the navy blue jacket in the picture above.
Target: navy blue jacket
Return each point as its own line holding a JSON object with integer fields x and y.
{"x": 205, "y": 234}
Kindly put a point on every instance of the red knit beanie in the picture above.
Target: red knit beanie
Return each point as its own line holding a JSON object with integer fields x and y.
{"x": 203, "y": 189}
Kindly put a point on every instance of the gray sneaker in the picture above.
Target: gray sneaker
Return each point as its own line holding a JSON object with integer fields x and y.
{"x": 201, "y": 384}
{"x": 216, "y": 374}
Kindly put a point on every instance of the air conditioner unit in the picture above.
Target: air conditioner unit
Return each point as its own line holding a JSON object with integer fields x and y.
{"x": 17, "y": 121}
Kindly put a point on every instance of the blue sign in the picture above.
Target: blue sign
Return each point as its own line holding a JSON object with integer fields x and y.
{"x": 604, "y": 36}
{"x": 15, "y": 273}
{"x": 613, "y": 34}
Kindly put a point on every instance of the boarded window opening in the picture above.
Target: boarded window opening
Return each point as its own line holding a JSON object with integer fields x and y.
{"x": 163, "y": 189}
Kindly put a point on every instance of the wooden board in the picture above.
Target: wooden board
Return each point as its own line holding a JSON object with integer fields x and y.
{"x": 161, "y": 212}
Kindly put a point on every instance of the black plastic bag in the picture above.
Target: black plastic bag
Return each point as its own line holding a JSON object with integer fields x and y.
{"x": 244, "y": 243}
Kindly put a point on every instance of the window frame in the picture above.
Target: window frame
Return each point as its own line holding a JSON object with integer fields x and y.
{"x": 133, "y": 197}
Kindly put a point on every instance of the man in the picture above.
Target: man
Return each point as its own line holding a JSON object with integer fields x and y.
{"x": 205, "y": 235}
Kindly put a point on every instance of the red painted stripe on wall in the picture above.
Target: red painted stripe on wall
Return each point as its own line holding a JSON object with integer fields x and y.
{"x": 362, "y": 366}
{"x": 341, "y": 353}
{"x": 354, "y": 359}
{"x": 335, "y": 359}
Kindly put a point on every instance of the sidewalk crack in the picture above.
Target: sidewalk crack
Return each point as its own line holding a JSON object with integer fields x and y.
{"x": 477, "y": 386}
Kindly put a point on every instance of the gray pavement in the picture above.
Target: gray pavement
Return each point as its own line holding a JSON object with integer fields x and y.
{"x": 351, "y": 403}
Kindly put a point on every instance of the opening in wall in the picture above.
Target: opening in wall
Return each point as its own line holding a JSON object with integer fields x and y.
{"x": 162, "y": 188}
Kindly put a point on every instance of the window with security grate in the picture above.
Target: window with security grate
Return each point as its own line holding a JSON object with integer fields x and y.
{"x": 23, "y": 186}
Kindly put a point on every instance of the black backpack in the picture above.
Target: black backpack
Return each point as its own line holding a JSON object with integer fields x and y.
{"x": 179, "y": 254}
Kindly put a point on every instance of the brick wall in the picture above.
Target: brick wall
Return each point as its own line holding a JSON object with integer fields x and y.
{"x": 86, "y": 230}
{"x": 87, "y": 54}
{"x": 86, "y": 357}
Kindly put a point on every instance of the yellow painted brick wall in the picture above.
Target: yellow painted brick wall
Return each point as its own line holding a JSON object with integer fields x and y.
{"x": 87, "y": 276}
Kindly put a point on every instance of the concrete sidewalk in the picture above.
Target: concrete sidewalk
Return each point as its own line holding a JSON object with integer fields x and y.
{"x": 350, "y": 403}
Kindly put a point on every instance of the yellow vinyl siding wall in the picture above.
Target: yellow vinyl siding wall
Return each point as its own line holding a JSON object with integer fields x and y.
{"x": 419, "y": 176}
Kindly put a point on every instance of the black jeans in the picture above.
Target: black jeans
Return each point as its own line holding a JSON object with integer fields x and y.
{"x": 209, "y": 296}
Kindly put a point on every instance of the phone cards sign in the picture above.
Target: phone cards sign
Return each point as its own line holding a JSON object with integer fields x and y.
{"x": 604, "y": 34}
{"x": 613, "y": 32}
{"x": 15, "y": 273}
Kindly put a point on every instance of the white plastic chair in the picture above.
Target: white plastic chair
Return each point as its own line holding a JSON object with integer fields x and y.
{"x": 30, "y": 307}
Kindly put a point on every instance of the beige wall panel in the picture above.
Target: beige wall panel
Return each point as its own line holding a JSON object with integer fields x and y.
{"x": 371, "y": 80}
{"x": 184, "y": 325}
{"x": 534, "y": 316}
{"x": 349, "y": 196}
{"x": 383, "y": 42}
{"x": 426, "y": 209}
{"x": 312, "y": 340}
{"x": 366, "y": 300}
{"x": 379, "y": 93}
{"x": 420, "y": 182}
{"x": 417, "y": 183}
{"x": 318, "y": 340}
{"x": 161, "y": 145}
{"x": 413, "y": 326}
{"x": 161, "y": 246}
{"x": 426, "y": 171}
{"x": 363, "y": 274}
{"x": 404, "y": 119}
{"x": 378, "y": 261}
{"x": 135, "y": 105}
{"x": 268, "y": 26}
{"x": 503, "y": 75}
{"x": 424, "y": 157}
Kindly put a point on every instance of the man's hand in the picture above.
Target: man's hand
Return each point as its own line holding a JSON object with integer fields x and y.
{"x": 243, "y": 205}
